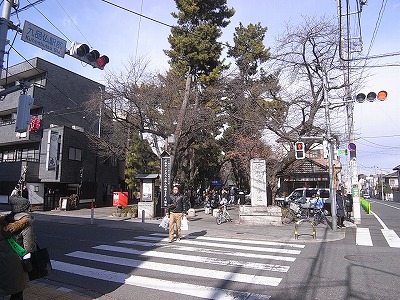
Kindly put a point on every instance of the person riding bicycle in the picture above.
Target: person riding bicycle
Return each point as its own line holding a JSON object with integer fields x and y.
{"x": 223, "y": 203}
{"x": 318, "y": 205}
{"x": 317, "y": 202}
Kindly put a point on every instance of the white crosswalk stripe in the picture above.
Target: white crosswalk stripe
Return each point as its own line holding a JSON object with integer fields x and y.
{"x": 363, "y": 237}
{"x": 249, "y": 263}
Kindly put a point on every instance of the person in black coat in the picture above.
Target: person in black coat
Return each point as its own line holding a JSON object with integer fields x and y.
{"x": 340, "y": 209}
{"x": 177, "y": 207}
{"x": 349, "y": 206}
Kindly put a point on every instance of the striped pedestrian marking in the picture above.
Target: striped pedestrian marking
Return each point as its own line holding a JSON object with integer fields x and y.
{"x": 178, "y": 269}
{"x": 228, "y": 246}
{"x": 212, "y": 251}
{"x": 391, "y": 237}
{"x": 249, "y": 265}
{"x": 238, "y": 241}
{"x": 157, "y": 284}
{"x": 363, "y": 237}
{"x": 198, "y": 259}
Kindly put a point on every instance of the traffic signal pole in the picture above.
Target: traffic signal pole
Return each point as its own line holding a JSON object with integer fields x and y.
{"x": 344, "y": 53}
{"x": 332, "y": 190}
{"x": 4, "y": 26}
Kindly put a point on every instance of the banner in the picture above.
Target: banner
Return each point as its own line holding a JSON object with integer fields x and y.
{"x": 52, "y": 147}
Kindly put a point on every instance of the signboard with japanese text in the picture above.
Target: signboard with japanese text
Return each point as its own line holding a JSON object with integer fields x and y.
{"x": 258, "y": 182}
{"x": 165, "y": 179}
{"x": 43, "y": 39}
{"x": 52, "y": 150}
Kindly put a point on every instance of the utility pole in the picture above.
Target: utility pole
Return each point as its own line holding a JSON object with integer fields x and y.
{"x": 332, "y": 190}
{"x": 5, "y": 24}
{"x": 344, "y": 52}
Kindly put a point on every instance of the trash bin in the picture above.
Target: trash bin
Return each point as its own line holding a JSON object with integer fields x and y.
{"x": 241, "y": 198}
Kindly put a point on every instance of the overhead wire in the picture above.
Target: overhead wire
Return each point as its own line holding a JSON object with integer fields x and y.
{"x": 34, "y": 6}
{"x": 138, "y": 32}
{"x": 73, "y": 22}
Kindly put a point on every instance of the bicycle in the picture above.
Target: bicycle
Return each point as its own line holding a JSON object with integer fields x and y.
{"x": 223, "y": 215}
{"x": 319, "y": 216}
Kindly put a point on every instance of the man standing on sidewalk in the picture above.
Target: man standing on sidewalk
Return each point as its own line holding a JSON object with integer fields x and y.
{"x": 177, "y": 209}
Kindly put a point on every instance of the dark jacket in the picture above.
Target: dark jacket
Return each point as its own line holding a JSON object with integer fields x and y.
{"x": 177, "y": 203}
{"x": 13, "y": 278}
{"x": 340, "y": 205}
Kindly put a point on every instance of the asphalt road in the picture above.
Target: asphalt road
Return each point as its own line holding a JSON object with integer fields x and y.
{"x": 122, "y": 259}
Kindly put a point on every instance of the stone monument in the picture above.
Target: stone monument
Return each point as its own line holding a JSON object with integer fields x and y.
{"x": 258, "y": 213}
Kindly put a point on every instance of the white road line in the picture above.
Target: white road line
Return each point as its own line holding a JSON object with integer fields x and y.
{"x": 178, "y": 269}
{"x": 239, "y": 241}
{"x": 196, "y": 258}
{"x": 391, "y": 237}
{"x": 363, "y": 237}
{"x": 379, "y": 220}
{"x": 211, "y": 251}
{"x": 157, "y": 284}
{"x": 221, "y": 245}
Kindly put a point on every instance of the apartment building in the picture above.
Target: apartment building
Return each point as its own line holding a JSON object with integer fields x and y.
{"x": 55, "y": 150}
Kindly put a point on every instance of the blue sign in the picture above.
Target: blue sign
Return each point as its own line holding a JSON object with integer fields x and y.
{"x": 43, "y": 39}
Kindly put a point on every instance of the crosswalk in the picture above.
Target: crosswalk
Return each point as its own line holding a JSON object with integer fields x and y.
{"x": 364, "y": 237}
{"x": 239, "y": 268}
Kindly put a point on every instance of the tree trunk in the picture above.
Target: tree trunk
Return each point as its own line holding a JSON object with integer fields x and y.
{"x": 181, "y": 118}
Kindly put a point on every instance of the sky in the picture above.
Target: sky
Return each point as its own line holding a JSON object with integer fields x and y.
{"x": 123, "y": 35}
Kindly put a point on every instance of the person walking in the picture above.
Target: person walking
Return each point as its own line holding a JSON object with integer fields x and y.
{"x": 177, "y": 207}
{"x": 18, "y": 225}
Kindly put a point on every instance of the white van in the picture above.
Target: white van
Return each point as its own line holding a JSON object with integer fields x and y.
{"x": 306, "y": 194}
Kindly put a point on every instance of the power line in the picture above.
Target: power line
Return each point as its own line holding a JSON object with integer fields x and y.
{"x": 138, "y": 14}
{"x": 73, "y": 22}
{"x": 51, "y": 22}
{"x": 381, "y": 136}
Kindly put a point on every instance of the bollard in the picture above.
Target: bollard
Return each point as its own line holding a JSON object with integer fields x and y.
{"x": 92, "y": 212}
{"x": 143, "y": 215}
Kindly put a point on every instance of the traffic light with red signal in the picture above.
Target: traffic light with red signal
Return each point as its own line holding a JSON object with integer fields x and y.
{"x": 300, "y": 150}
{"x": 91, "y": 57}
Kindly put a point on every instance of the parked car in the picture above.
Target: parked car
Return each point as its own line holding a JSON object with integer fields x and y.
{"x": 302, "y": 195}
{"x": 366, "y": 196}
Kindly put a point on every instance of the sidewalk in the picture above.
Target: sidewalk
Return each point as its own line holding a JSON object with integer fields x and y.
{"x": 200, "y": 224}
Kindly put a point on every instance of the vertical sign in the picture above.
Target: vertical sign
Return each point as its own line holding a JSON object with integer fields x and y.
{"x": 147, "y": 194}
{"x": 258, "y": 182}
{"x": 165, "y": 178}
{"x": 52, "y": 146}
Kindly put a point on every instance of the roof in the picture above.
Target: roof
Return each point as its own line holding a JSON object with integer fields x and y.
{"x": 305, "y": 166}
{"x": 391, "y": 175}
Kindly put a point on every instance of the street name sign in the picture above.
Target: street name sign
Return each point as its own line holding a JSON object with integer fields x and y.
{"x": 43, "y": 39}
{"x": 341, "y": 152}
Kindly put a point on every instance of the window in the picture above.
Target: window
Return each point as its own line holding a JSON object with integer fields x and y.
{"x": 75, "y": 154}
{"x": 39, "y": 81}
{"x": 8, "y": 156}
{"x": 314, "y": 154}
{"x": 110, "y": 161}
{"x": 30, "y": 154}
